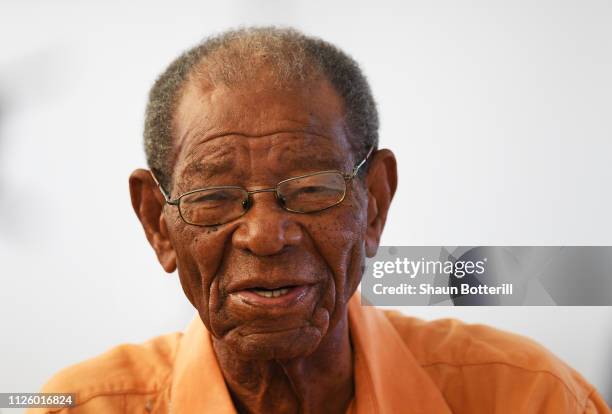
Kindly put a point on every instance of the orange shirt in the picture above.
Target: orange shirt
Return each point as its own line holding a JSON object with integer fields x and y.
{"x": 401, "y": 365}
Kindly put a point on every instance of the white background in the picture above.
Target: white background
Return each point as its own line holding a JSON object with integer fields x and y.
{"x": 499, "y": 114}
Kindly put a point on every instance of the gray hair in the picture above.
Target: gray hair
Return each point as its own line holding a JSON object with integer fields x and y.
{"x": 236, "y": 56}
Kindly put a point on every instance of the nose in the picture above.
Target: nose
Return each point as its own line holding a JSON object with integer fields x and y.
{"x": 266, "y": 229}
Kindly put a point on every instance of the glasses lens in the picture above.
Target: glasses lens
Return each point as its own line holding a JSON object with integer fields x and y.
{"x": 212, "y": 206}
{"x": 312, "y": 193}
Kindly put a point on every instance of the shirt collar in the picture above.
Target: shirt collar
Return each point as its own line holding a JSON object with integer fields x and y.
{"x": 388, "y": 379}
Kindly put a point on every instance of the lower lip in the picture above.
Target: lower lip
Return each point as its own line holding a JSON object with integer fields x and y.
{"x": 294, "y": 295}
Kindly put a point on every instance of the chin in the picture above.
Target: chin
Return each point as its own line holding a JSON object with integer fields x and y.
{"x": 262, "y": 346}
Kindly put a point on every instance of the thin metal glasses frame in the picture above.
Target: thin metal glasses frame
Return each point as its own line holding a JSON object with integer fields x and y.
{"x": 249, "y": 193}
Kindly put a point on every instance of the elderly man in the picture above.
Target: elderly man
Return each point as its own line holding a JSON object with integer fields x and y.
{"x": 266, "y": 191}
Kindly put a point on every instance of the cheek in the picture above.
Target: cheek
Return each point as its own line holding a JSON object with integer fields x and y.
{"x": 339, "y": 239}
{"x": 199, "y": 252}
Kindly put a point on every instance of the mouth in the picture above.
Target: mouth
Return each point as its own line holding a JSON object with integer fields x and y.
{"x": 278, "y": 296}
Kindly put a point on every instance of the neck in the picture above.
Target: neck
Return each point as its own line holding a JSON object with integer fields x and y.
{"x": 321, "y": 382}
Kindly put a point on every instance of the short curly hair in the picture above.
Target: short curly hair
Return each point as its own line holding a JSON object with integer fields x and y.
{"x": 235, "y": 56}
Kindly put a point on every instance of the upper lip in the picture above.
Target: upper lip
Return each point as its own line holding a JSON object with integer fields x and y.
{"x": 266, "y": 283}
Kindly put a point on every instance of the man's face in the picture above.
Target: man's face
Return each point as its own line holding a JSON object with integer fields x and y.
{"x": 254, "y": 137}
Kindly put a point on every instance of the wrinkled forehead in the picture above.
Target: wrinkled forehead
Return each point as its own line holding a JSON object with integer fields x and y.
{"x": 286, "y": 126}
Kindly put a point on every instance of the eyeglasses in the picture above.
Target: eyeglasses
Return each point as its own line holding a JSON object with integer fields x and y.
{"x": 310, "y": 193}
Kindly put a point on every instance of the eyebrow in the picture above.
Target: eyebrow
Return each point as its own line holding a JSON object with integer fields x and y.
{"x": 218, "y": 160}
{"x": 316, "y": 159}
{"x": 209, "y": 168}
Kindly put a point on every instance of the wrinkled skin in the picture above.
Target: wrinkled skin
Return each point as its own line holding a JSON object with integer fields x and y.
{"x": 293, "y": 358}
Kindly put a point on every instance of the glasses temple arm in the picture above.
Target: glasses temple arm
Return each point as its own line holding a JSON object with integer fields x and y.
{"x": 161, "y": 189}
{"x": 358, "y": 166}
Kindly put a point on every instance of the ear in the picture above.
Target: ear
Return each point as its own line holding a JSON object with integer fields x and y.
{"x": 381, "y": 183}
{"x": 148, "y": 203}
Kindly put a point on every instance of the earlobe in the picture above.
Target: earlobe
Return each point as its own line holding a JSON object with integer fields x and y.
{"x": 381, "y": 183}
{"x": 148, "y": 205}
{"x": 165, "y": 251}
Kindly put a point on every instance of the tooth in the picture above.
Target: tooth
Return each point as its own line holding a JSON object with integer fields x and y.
{"x": 271, "y": 293}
